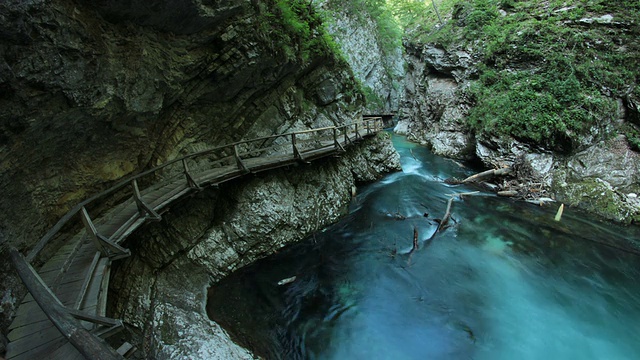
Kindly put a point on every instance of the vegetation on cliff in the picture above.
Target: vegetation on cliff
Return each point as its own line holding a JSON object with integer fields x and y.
{"x": 550, "y": 72}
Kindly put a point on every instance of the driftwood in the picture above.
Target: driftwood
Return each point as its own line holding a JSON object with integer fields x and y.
{"x": 288, "y": 280}
{"x": 487, "y": 174}
{"x": 415, "y": 244}
{"x": 507, "y": 193}
{"x": 559, "y": 213}
{"x": 447, "y": 214}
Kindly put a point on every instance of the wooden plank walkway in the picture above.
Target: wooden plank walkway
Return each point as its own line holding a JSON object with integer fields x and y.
{"x": 77, "y": 275}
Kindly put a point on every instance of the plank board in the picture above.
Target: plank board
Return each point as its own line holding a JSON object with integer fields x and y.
{"x": 33, "y": 336}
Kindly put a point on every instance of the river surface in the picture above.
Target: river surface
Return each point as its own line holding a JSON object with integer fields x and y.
{"x": 505, "y": 281}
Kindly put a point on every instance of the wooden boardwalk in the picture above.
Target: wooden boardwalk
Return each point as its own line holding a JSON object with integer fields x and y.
{"x": 63, "y": 316}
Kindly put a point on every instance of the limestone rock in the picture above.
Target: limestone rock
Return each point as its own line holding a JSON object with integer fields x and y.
{"x": 373, "y": 65}
{"x": 612, "y": 161}
{"x": 436, "y": 104}
{"x": 161, "y": 290}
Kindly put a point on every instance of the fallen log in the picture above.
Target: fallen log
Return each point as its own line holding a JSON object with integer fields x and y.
{"x": 507, "y": 193}
{"x": 487, "y": 174}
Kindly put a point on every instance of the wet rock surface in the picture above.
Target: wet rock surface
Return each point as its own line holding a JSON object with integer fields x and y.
{"x": 435, "y": 103}
{"x": 161, "y": 290}
{"x": 597, "y": 177}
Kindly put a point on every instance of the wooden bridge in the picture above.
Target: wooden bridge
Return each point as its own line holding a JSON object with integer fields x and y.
{"x": 63, "y": 315}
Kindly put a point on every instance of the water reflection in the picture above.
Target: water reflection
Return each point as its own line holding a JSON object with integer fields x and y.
{"x": 505, "y": 282}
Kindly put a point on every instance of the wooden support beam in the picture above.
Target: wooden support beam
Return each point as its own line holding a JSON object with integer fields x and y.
{"x": 143, "y": 208}
{"x": 296, "y": 152}
{"x": 190, "y": 181}
{"x": 96, "y": 319}
{"x": 106, "y": 332}
{"x": 241, "y": 165}
{"x": 87, "y": 280}
{"x": 106, "y": 246}
{"x": 90, "y": 346}
{"x": 336, "y": 143}
{"x": 346, "y": 137}
{"x": 126, "y": 349}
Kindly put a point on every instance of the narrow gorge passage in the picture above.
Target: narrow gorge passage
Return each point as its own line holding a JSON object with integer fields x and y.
{"x": 504, "y": 282}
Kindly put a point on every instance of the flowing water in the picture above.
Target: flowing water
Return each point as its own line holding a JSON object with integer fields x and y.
{"x": 505, "y": 281}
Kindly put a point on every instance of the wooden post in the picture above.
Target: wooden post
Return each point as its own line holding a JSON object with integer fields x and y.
{"x": 90, "y": 346}
{"x": 143, "y": 208}
{"x": 335, "y": 138}
{"x": 87, "y": 280}
{"x": 239, "y": 162}
{"x": 293, "y": 145}
{"x": 190, "y": 181}
{"x": 296, "y": 151}
{"x": 106, "y": 246}
{"x": 368, "y": 129}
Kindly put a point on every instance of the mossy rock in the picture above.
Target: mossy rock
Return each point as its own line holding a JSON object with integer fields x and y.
{"x": 599, "y": 197}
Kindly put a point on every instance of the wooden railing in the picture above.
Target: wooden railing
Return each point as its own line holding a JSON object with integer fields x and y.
{"x": 276, "y": 150}
{"x": 348, "y": 133}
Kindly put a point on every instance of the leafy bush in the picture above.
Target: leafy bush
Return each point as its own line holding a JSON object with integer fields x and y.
{"x": 545, "y": 77}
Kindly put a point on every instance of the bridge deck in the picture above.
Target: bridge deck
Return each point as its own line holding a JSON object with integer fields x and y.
{"x": 78, "y": 274}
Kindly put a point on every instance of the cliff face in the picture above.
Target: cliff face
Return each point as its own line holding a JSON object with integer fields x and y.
{"x": 93, "y": 91}
{"x": 376, "y": 61}
{"x": 565, "y": 117}
{"x": 161, "y": 291}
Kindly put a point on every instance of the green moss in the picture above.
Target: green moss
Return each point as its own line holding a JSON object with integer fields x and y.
{"x": 295, "y": 29}
{"x": 598, "y": 197}
{"x": 545, "y": 77}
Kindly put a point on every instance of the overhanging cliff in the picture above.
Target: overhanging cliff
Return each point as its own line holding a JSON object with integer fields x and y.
{"x": 93, "y": 91}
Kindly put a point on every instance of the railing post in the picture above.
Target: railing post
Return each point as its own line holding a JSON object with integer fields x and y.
{"x": 143, "y": 208}
{"x": 296, "y": 153}
{"x": 336, "y": 144}
{"x": 368, "y": 129}
{"x": 241, "y": 165}
{"x": 106, "y": 246}
{"x": 190, "y": 181}
{"x": 90, "y": 346}
{"x": 293, "y": 144}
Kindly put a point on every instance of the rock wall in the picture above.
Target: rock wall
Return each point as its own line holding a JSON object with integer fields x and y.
{"x": 94, "y": 91}
{"x": 433, "y": 113}
{"x": 379, "y": 68}
{"x": 603, "y": 177}
{"x": 161, "y": 290}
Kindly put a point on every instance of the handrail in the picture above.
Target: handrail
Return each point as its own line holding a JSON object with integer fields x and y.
{"x": 90, "y": 346}
{"x": 128, "y": 181}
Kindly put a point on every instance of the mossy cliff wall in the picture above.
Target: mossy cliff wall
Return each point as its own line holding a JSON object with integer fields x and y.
{"x": 94, "y": 91}
{"x": 549, "y": 86}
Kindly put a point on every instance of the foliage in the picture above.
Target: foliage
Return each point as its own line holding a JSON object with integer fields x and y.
{"x": 546, "y": 76}
{"x": 295, "y": 27}
{"x": 388, "y": 31}
{"x": 633, "y": 137}
{"x": 388, "y": 35}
